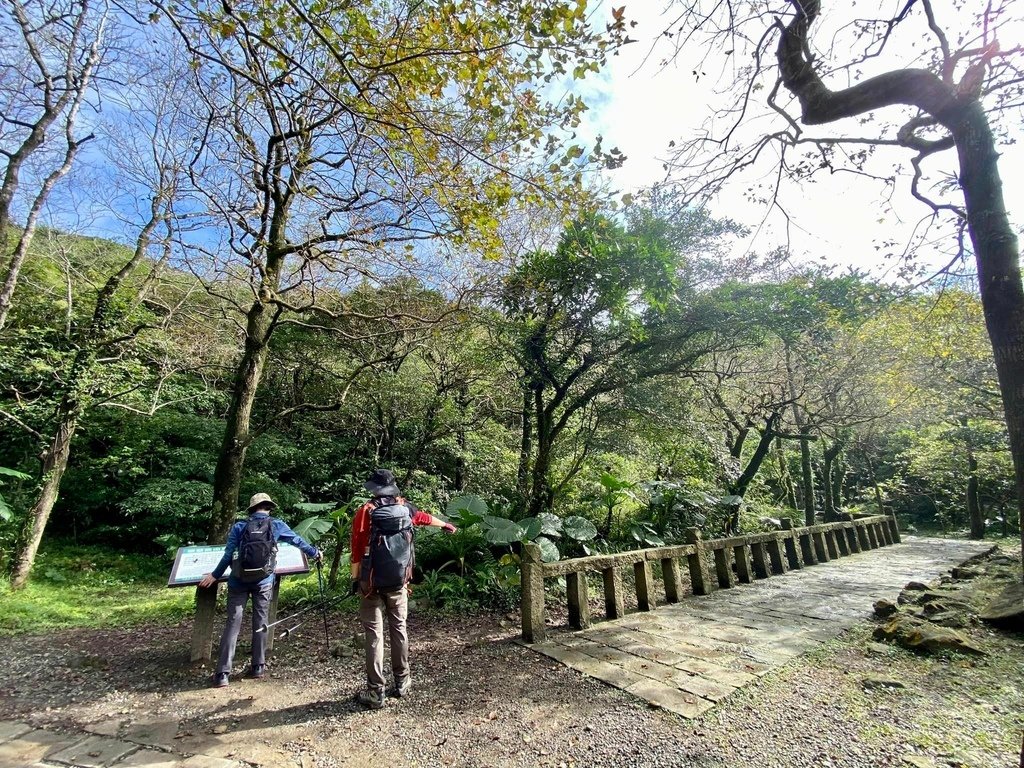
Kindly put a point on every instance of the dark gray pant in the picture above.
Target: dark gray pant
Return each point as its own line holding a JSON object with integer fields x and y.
{"x": 237, "y": 598}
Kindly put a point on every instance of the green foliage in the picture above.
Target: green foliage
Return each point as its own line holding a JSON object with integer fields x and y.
{"x": 471, "y": 514}
{"x": 312, "y": 528}
{"x": 444, "y": 411}
{"x": 578, "y": 528}
{"x": 92, "y": 587}
{"x": 6, "y": 513}
{"x": 491, "y": 584}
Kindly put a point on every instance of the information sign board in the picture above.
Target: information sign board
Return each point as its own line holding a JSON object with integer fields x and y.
{"x": 192, "y": 563}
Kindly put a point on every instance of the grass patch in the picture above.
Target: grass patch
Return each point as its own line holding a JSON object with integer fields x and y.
{"x": 94, "y": 587}
{"x": 80, "y": 586}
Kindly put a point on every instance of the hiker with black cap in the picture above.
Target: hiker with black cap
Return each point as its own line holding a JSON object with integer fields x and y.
{"x": 382, "y": 563}
{"x": 254, "y": 541}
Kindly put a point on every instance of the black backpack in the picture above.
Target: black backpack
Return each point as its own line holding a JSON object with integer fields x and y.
{"x": 257, "y": 551}
{"x": 390, "y": 555}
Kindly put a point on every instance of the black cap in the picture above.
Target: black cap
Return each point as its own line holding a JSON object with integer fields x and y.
{"x": 382, "y": 483}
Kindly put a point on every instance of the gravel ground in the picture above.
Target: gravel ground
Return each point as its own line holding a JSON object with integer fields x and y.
{"x": 479, "y": 699}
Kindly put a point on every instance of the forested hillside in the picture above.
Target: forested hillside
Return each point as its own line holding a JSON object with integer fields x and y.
{"x": 627, "y": 375}
{"x": 245, "y": 251}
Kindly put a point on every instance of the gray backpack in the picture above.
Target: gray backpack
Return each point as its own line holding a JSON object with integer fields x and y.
{"x": 390, "y": 556}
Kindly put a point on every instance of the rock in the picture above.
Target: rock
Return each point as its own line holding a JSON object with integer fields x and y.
{"x": 915, "y": 586}
{"x": 919, "y": 761}
{"x": 1007, "y": 608}
{"x": 946, "y": 606}
{"x": 219, "y": 729}
{"x": 964, "y": 573}
{"x": 878, "y": 649}
{"x": 878, "y": 681}
{"x": 947, "y": 601}
{"x": 949, "y": 619}
{"x": 342, "y": 651}
{"x": 884, "y": 609}
{"x": 1002, "y": 560}
{"x": 918, "y": 635}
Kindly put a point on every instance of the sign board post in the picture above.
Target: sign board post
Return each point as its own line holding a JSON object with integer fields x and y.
{"x": 202, "y": 628}
{"x": 192, "y": 563}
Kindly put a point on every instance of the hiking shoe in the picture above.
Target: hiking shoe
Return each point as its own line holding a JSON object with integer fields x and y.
{"x": 402, "y": 687}
{"x": 258, "y": 671}
{"x": 371, "y": 699}
{"x": 219, "y": 680}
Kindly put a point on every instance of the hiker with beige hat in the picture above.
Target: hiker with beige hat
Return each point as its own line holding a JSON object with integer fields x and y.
{"x": 251, "y": 552}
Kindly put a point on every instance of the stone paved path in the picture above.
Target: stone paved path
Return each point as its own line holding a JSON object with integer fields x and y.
{"x": 22, "y": 746}
{"x": 687, "y": 656}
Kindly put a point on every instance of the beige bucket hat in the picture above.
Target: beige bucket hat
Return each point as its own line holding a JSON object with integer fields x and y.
{"x": 260, "y": 498}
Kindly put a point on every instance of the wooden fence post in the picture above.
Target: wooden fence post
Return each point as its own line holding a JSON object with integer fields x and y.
{"x": 673, "y": 579}
{"x": 760, "y": 558}
{"x": 862, "y": 538}
{"x": 894, "y": 528}
{"x": 614, "y": 602}
{"x": 790, "y": 542}
{"x": 884, "y": 534}
{"x": 531, "y": 589}
{"x": 645, "y": 599}
{"x": 806, "y": 547}
{"x": 723, "y": 568}
{"x": 579, "y": 605}
{"x": 853, "y": 538}
{"x": 820, "y": 550}
{"x": 777, "y": 553}
{"x": 697, "y": 563}
{"x": 202, "y": 629}
{"x": 830, "y": 544}
{"x": 741, "y": 556}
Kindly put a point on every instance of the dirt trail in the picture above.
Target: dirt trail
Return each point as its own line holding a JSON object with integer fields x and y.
{"x": 482, "y": 700}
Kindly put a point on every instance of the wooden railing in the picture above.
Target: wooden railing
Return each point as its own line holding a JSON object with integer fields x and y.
{"x": 709, "y": 564}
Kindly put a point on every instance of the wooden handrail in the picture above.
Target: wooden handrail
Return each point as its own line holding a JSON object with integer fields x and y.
{"x": 710, "y": 564}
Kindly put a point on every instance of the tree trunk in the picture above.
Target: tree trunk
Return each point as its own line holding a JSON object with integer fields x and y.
{"x": 993, "y": 240}
{"x": 55, "y": 462}
{"x": 806, "y": 475}
{"x": 974, "y": 513}
{"x": 739, "y": 488}
{"x": 332, "y": 576}
{"x": 829, "y": 470}
{"x": 785, "y": 479}
{"x": 541, "y": 495}
{"x": 525, "y": 447}
{"x": 227, "y": 477}
{"x": 28, "y": 232}
{"x": 838, "y": 476}
{"x": 804, "y": 430}
{"x": 874, "y": 484}
{"x": 999, "y": 278}
{"x": 426, "y": 438}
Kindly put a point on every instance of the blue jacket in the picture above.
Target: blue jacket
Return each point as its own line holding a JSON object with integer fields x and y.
{"x": 281, "y": 533}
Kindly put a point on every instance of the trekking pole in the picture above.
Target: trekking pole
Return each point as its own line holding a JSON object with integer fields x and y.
{"x": 328, "y": 601}
{"x": 323, "y": 603}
